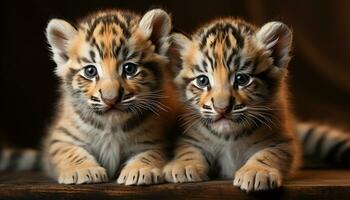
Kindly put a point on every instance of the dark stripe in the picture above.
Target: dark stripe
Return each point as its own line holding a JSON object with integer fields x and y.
{"x": 135, "y": 121}
{"x": 70, "y": 75}
{"x": 86, "y": 82}
{"x": 80, "y": 160}
{"x": 73, "y": 157}
{"x": 229, "y": 59}
{"x": 156, "y": 70}
{"x": 92, "y": 56}
{"x": 239, "y": 38}
{"x": 133, "y": 55}
{"x": 285, "y": 152}
{"x": 237, "y": 62}
{"x": 61, "y": 141}
{"x": 205, "y": 154}
{"x": 64, "y": 56}
{"x": 146, "y": 161}
{"x": 195, "y": 88}
{"x": 189, "y": 137}
{"x": 332, "y": 153}
{"x": 187, "y": 80}
{"x": 116, "y": 51}
{"x": 246, "y": 132}
{"x": 55, "y": 152}
{"x": 128, "y": 96}
{"x": 86, "y": 60}
{"x": 206, "y": 107}
{"x": 69, "y": 134}
{"x": 212, "y": 131}
{"x": 271, "y": 83}
{"x": 93, "y": 98}
{"x": 263, "y": 162}
{"x": 125, "y": 52}
{"x": 319, "y": 145}
{"x": 104, "y": 20}
{"x": 307, "y": 136}
{"x": 184, "y": 154}
{"x": 89, "y": 119}
{"x": 13, "y": 160}
{"x": 205, "y": 65}
{"x": 155, "y": 157}
{"x": 268, "y": 137}
{"x": 212, "y": 62}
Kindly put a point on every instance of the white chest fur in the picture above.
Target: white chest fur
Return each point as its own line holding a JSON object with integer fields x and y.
{"x": 231, "y": 157}
{"x": 106, "y": 148}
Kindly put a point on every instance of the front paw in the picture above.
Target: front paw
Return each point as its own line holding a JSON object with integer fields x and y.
{"x": 82, "y": 175}
{"x": 139, "y": 175}
{"x": 256, "y": 178}
{"x": 185, "y": 171}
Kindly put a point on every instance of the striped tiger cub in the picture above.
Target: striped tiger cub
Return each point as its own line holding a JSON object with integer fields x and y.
{"x": 116, "y": 95}
{"x": 237, "y": 120}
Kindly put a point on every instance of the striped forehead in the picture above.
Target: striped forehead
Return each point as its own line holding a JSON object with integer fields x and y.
{"x": 108, "y": 34}
{"x": 221, "y": 45}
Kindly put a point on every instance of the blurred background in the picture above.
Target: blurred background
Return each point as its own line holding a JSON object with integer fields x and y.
{"x": 319, "y": 70}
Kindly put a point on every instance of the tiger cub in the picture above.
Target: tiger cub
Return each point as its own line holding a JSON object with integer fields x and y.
{"x": 237, "y": 119}
{"x": 113, "y": 114}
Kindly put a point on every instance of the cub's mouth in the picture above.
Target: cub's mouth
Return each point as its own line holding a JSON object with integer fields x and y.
{"x": 222, "y": 118}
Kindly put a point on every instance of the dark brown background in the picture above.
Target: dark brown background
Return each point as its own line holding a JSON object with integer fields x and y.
{"x": 319, "y": 74}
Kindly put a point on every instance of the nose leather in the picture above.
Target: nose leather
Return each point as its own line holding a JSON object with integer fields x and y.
{"x": 109, "y": 102}
{"x": 223, "y": 106}
{"x": 221, "y": 110}
{"x": 110, "y": 92}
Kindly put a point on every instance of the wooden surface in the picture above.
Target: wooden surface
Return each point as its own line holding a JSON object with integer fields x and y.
{"x": 309, "y": 184}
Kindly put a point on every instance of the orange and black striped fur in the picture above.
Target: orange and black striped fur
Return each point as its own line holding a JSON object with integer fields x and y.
{"x": 237, "y": 121}
{"x": 113, "y": 114}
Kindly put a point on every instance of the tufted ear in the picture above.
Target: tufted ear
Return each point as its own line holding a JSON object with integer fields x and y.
{"x": 277, "y": 38}
{"x": 59, "y": 33}
{"x": 156, "y": 26}
{"x": 181, "y": 41}
{"x": 178, "y": 46}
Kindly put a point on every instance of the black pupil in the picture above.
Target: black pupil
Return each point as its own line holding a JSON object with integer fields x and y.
{"x": 242, "y": 79}
{"x": 90, "y": 71}
{"x": 202, "y": 81}
{"x": 129, "y": 68}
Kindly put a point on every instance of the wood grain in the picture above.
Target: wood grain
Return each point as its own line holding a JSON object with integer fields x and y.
{"x": 309, "y": 184}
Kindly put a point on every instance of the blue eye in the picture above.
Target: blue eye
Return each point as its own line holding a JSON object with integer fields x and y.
{"x": 129, "y": 69}
{"x": 90, "y": 71}
{"x": 242, "y": 79}
{"x": 202, "y": 81}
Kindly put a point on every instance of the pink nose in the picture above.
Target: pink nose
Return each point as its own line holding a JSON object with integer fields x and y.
{"x": 222, "y": 110}
{"x": 109, "y": 102}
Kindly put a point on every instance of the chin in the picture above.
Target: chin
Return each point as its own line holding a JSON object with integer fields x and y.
{"x": 223, "y": 126}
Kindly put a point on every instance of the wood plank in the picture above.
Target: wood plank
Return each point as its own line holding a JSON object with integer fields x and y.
{"x": 309, "y": 184}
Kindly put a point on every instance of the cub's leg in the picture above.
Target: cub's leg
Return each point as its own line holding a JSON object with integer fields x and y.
{"x": 189, "y": 165}
{"x": 266, "y": 169}
{"x": 70, "y": 160}
{"x": 143, "y": 169}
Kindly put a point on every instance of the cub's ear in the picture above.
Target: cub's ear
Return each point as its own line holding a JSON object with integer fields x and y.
{"x": 59, "y": 34}
{"x": 156, "y": 26}
{"x": 178, "y": 45}
{"x": 276, "y": 37}
{"x": 181, "y": 41}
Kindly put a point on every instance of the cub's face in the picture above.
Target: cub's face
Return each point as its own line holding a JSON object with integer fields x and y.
{"x": 231, "y": 72}
{"x": 113, "y": 62}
